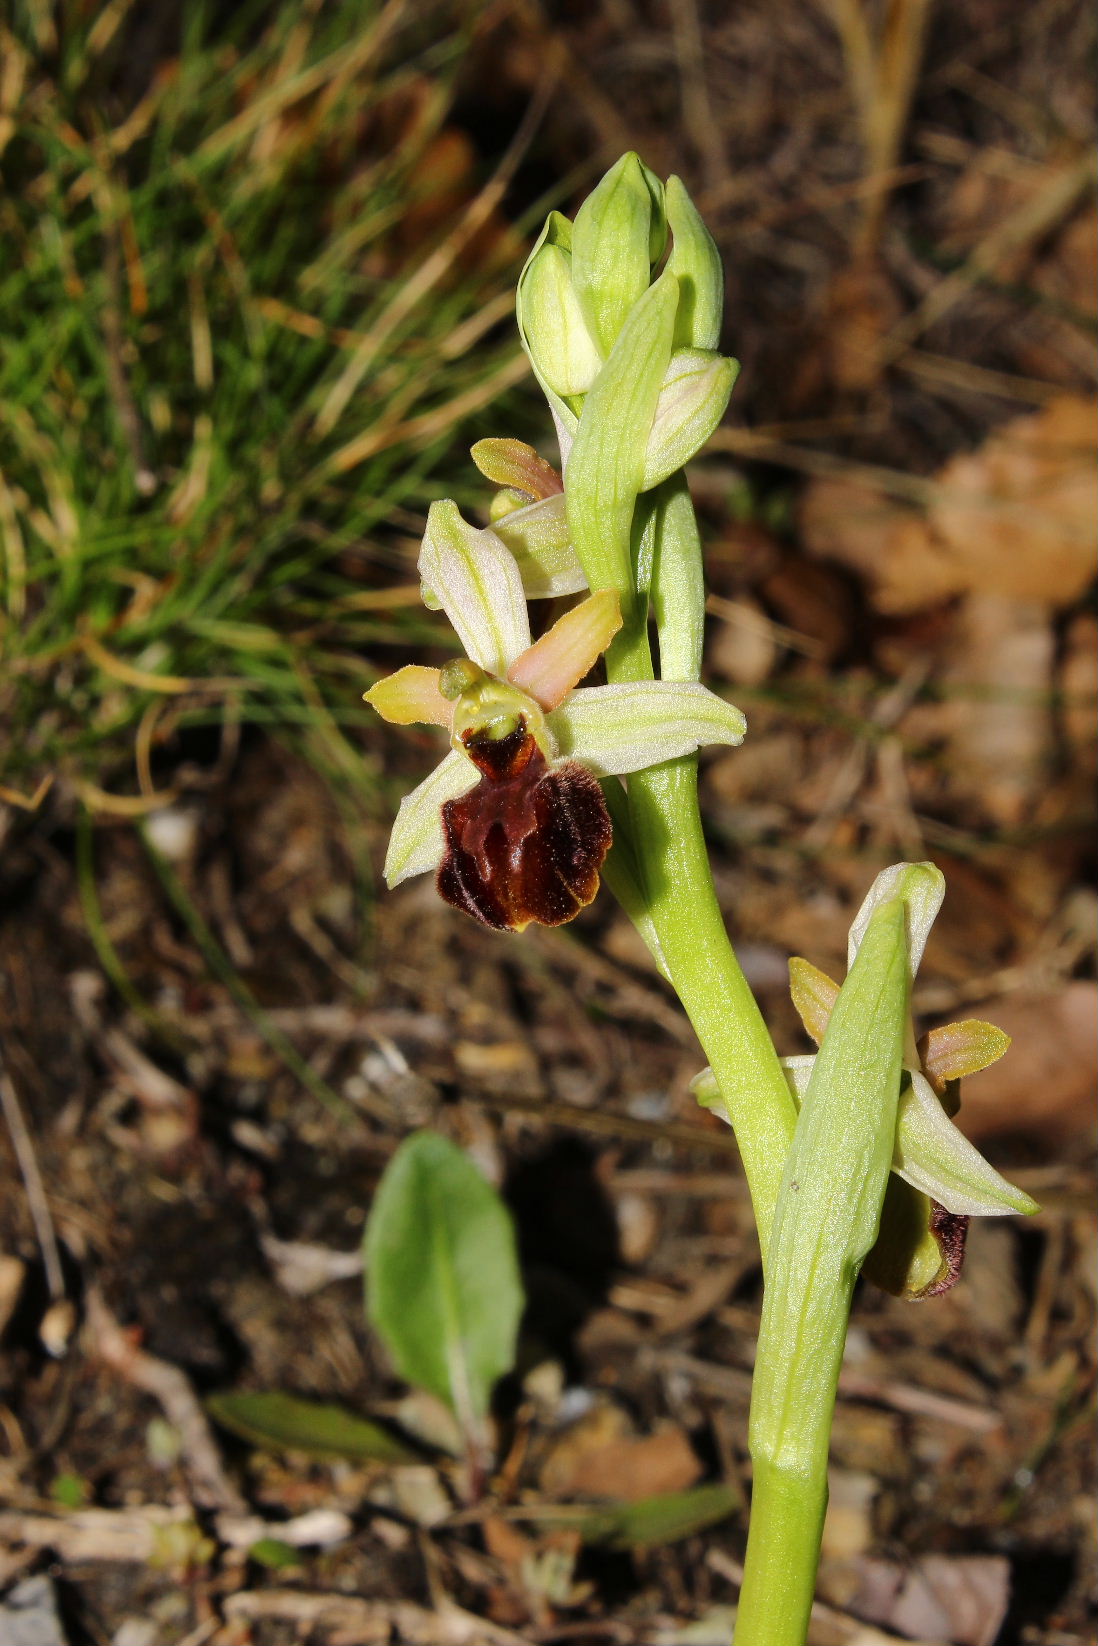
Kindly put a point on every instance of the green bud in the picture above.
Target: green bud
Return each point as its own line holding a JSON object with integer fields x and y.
{"x": 919, "y": 1247}
{"x": 618, "y": 234}
{"x": 551, "y": 321}
{"x": 657, "y": 234}
{"x": 692, "y": 401}
{"x": 696, "y": 262}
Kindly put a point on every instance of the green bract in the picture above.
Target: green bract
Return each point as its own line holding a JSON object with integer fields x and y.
{"x": 930, "y": 1152}
{"x": 825, "y": 1221}
{"x": 606, "y": 468}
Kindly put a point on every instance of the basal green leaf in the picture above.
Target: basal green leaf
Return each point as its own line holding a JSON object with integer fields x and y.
{"x": 274, "y": 1554}
{"x": 665, "y": 1518}
{"x": 442, "y": 1280}
{"x": 286, "y": 1423}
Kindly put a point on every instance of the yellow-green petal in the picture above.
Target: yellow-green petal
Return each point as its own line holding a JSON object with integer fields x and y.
{"x": 410, "y": 697}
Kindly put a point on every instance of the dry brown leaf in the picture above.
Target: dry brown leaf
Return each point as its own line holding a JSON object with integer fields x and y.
{"x": 598, "y": 1458}
{"x": 1013, "y": 518}
{"x": 861, "y": 309}
{"x": 1070, "y": 272}
{"x": 885, "y": 542}
{"x": 1045, "y": 1084}
{"x": 959, "y": 1598}
{"x": 13, "y": 1272}
{"x": 1079, "y": 685}
{"x": 998, "y": 718}
{"x": 742, "y": 645}
{"x": 848, "y": 1529}
{"x": 1018, "y": 514}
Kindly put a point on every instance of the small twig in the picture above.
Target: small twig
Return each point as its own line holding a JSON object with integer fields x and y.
{"x": 1025, "y": 227}
{"x": 371, "y": 1620}
{"x": 134, "y": 1534}
{"x": 23, "y": 1145}
{"x": 695, "y": 103}
{"x": 848, "y": 779}
{"x": 746, "y": 617}
{"x": 172, "y": 1388}
{"x": 908, "y": 1398}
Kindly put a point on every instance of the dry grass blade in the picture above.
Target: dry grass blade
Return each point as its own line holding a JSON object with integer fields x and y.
{"x": 696, "y": 106}
{"x": 23, "y": 1144}
{"x": 1032, "y": 222}
{"x": 427, "y": 427}
{"x": 172, "y": 1388}
{"x": 882, "y": 78}
{"x": 295, "y": 87}
{"x": 434, "y": 268}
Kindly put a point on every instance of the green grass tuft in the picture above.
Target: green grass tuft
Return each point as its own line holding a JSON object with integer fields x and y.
{"x": 246, "y": 316}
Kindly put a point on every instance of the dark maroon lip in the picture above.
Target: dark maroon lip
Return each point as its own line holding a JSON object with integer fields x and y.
{"x": 528, "y": 842}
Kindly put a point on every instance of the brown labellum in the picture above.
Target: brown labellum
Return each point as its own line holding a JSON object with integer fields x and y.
{"x": 950, "y": 1230}
{"x": 528, "y": 842}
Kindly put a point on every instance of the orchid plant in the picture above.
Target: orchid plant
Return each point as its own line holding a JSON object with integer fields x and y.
{"x": 851, "y": 1155}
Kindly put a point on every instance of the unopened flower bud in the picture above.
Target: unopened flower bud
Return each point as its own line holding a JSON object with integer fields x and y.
{"x": 696, "y": 264}
{"x": 619, "y": 233}
{"x": 550, "y": 317}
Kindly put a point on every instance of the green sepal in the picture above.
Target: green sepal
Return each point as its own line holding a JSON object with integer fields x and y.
{"x": 537, "y": 536}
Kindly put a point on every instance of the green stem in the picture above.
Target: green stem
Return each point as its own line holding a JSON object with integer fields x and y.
{"x": 701, "y": 962}
{"x": 787, "y": 1516}
{"x": 671, "y": 861}
{"x": 828, "y": 1212}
